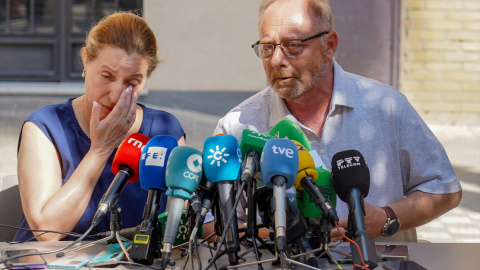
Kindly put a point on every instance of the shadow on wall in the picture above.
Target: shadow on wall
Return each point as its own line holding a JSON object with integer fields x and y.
{"x": 470, "y": 181}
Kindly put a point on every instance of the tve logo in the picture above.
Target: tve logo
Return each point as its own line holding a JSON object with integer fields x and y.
{"x": 136, "y": 143}
{"x": 155, "y": 156}
{"x": 218, "y": 155}
{"x": 288, "y": 152}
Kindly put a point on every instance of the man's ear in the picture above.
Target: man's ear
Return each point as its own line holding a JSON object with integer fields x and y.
{"x": 331, "y": 43}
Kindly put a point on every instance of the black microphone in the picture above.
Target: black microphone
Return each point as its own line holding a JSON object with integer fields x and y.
{"x": 351, "y": 180}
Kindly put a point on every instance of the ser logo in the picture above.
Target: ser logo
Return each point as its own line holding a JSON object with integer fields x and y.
{"x": 348, "y": 162}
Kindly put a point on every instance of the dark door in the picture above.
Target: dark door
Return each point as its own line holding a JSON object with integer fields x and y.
{"x": 40, "y": 39}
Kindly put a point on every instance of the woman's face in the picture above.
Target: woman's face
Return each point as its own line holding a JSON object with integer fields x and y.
{"x": 111, "y": 73}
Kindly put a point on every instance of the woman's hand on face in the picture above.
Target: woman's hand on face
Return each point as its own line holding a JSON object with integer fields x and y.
{"x": 107, "y": 134}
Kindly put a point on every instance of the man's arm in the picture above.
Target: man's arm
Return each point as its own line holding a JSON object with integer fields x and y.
{"x": 416, "y": 209}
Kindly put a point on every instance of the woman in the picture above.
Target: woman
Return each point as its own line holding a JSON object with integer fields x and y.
{"x": 66, "y": 150}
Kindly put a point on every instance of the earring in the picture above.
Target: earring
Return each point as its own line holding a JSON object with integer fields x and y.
{"x": 83, "y": 73}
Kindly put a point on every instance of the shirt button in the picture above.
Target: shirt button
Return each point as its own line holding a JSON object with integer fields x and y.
{"x": 322, "y": 151}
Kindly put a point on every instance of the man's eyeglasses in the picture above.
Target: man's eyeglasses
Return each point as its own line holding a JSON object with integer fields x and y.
{"x": 289, "y": 47}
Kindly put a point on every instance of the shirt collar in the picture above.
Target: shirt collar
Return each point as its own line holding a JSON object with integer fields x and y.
{"x": 341, "y": 84}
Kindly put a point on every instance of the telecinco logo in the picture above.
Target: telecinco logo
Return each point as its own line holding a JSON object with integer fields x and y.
{"x": 155, "y": 156}
{"x": 282, "y": 150}
{"x": 348, "y": 162}
{"x": 217, "y": 155}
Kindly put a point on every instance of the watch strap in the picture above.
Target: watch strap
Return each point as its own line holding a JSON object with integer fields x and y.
{"x": 390, "y": 213}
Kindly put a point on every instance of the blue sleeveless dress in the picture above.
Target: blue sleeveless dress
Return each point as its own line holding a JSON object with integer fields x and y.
{"x": 59, "y": 124}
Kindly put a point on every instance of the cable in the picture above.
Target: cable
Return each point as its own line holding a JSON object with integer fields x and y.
{"x": 73, "y": 234}
{"x": 227, "y": 224}
{"x": 358, "y": 248}
{"x": 52, "y": 251}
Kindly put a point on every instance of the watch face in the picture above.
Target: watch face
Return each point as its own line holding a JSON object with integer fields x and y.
{"x": 392, "y": 227}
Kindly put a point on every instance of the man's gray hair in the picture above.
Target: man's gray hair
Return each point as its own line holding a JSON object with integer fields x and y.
{"x": 321, "y": 9}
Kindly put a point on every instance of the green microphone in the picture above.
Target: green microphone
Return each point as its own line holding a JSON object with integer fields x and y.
{"x": 286, "y": 128}
{"x": 251, "y": 145}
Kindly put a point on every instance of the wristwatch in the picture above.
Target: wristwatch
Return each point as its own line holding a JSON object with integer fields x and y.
{"x": 392, "y": 225}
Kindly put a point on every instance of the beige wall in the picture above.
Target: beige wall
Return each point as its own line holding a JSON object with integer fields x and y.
{"x": 440, "y": 59}
{"x": 206, "y": 45}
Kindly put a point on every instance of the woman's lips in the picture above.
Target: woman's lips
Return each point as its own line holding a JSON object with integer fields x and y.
{"x": 107, "y": 108}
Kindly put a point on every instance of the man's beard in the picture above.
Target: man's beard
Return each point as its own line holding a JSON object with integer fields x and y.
{"x": 296, "y": 89}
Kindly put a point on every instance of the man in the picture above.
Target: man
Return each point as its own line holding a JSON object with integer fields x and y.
{"x": 409, "y": 169}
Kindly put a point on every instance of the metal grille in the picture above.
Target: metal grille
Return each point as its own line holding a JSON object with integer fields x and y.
{"x": 39, "y": 39}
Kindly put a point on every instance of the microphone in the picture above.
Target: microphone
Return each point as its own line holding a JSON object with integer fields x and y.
{"x": 127, "y": 233}
{"x": 351, "y": 180}
{"x": 206, "y": 191}
{"x": 305, "y": 181}
{"x": 288, "y": 129}
{"x": 152, "y": 167}
{"x": 279, "y": 165}
{"x": 251, "y": 145}
{"x": 125, "y": 166}
{"x": 223, "y": 160}
{"x": 184, "y": 171}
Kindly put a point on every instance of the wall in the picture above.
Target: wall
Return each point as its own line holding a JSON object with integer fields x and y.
{"x": 206, "y": 45}
{"x": 440, "y": 59}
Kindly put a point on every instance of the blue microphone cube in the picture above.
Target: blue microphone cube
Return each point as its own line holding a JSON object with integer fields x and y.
{"x": 279, "y": 158}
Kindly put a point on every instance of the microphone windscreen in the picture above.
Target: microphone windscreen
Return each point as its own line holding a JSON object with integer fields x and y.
{"x": 252, "y": 140}
{"x": 304, "y": 202}
{"x": 349, "y": 170}
{"x": 184, "y": 171}
{"x": 128, "y": 153}
{"x": 306, "y": 165}
{"x": 279, "y": 158}
{"x": 286, "y": 128}
{"x": 222, "y": 158}
{"x": 153, "y": 161}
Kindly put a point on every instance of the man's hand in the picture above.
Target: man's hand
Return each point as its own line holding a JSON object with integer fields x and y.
{"x": 375, "y": 218}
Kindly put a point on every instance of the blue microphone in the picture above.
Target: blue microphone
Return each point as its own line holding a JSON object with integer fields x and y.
{"x": 222, "y": 163}
{"x": 279, "y": 167}
{"x": 183, "y": 174}
{"x": 152, "y": 166}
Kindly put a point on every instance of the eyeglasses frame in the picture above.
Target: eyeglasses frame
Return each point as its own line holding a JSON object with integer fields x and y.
{"x": 275, "y": 45}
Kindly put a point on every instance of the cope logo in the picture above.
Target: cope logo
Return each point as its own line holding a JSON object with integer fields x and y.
{"x": 288, "y": 152}
{"x": 348, "y": 162}
{"x": 194, "y": 164}
{"x": 218, "y": 155}
{"x": 155, "y": 156}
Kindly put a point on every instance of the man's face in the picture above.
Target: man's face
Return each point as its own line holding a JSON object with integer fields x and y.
{"x": 292, "y": 77}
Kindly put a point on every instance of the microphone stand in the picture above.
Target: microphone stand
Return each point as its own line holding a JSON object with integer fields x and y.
{"x": 114, "y": 237}
{"x": 252, "y": 230}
